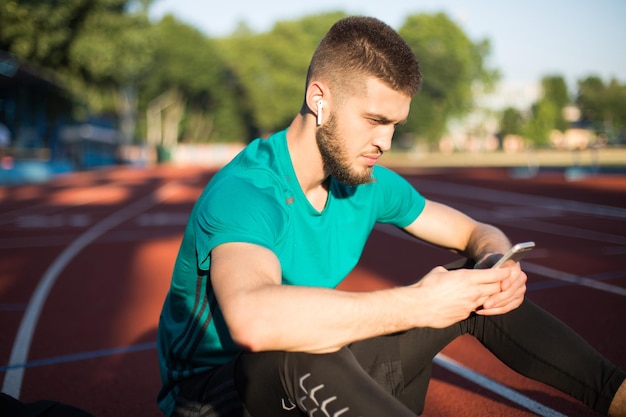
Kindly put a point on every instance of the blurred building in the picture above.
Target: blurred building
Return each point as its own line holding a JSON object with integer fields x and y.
{"x": 33, "y": 107}
{"x": 37, "y": 112}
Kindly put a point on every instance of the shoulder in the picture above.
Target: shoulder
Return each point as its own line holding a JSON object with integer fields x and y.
{"x": 397, "y": 201}
{"x": 252, "y": 189}
{"x": 249, "y": 191}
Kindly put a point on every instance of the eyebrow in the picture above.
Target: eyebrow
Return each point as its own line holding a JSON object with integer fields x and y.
{"x": 384, "y": 119}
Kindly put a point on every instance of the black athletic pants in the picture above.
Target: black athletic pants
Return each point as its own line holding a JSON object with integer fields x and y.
{"x": 388, "y": 376}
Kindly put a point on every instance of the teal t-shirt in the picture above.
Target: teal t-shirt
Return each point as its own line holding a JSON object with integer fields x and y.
{"x": 256, "y": 199}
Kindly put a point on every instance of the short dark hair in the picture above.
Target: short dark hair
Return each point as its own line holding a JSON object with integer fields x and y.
{"x": 360, "y": 46}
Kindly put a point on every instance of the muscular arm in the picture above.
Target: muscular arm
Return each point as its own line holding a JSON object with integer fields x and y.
{"x": 446, "y": 227}
{"x": 262, "y": 314}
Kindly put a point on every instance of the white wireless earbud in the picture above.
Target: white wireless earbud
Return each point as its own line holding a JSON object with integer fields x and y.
{"x": 320, "y": 104}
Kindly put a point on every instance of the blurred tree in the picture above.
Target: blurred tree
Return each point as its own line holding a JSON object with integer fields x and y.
{"x": 541, "y": 123}
{"x": 603, "y": 106}
{"x": 452, "y": 66}
{"x": 41, "y": 32}
{"x": 616, "y": 116}
{"x": 555, "y": 91}
{"x": 97, "y": 48}
{"x": 511, "y": 122}
{"x": 590, "y": 99}
{"x": 272, "y": 67}
{"x": 189, "y": 92}
{"x": 547, "y": 113}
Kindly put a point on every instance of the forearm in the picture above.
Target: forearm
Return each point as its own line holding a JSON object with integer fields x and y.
{"x": 316, "y": 320}
{"x": 448, "y": 228}
{"x": 484, "y": 240}
{"x": 263, "y": 314}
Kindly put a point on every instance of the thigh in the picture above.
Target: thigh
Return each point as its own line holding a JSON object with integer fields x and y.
{"x": 289, "y": 384}
{"x": 401, "y": 363}
{"x": 211, "y": 394}
{"x": 382, "y": 376}
{"x": 260, "y": 386}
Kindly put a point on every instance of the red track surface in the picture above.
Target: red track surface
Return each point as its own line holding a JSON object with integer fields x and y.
{"x": 105, "y": 242}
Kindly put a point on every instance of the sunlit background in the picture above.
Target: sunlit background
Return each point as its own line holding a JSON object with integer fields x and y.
{"x": 528, "y": 39}
{"x": 86, "y": 84}
{"x": 147, "y": 86}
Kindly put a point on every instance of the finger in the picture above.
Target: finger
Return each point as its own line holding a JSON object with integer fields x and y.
{"x": 489, "y": 290}
{"x": 496, "y": 301}
{"x": 500, "y": 309}
{"x": 492, "y": 307}
{"x": 484, "y": 276}
{"x": 506, "y": 284}
{"x": 493, "y": 311}
{"x": 509, "y": 285}
{"x": 502, "y": 300}
{"x": 517, "y": 277}
{"x": 481, "y": 298}
{"x": 504, "y": 297}
{"x": 515, "y": 282}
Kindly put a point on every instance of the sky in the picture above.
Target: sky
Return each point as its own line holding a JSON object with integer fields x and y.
{"x": 529, "y": 39}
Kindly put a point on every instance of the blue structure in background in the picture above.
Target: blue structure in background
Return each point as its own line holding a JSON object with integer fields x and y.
{"x": 44, "y": 137}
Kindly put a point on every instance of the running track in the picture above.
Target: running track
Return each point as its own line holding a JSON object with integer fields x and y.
{"x": 85, "y": 262}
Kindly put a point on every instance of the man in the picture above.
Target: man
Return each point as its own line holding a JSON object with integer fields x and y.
{"x": 253, "y": 324}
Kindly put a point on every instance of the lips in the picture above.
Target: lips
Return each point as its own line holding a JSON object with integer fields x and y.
{"x": 371, "y": 159}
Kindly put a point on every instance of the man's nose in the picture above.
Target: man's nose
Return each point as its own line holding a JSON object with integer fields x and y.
{"x": 383, "y": 141}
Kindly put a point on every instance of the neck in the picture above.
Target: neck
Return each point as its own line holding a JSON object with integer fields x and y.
{"x": 307, "y": 161}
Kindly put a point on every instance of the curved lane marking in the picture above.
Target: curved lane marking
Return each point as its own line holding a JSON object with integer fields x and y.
{"x": 15, "y": 374}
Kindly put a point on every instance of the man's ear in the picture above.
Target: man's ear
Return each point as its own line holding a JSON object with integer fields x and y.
{"x": 317, "y": 95}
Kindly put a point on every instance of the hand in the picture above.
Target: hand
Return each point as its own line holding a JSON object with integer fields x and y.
{"x": 511, "y": 295}
{"x": 447, "y": 297}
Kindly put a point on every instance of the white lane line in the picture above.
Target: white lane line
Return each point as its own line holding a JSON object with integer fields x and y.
{"x": 528, "y": 266}
{"x": 495, "y": 387}
{"x": 510, "y": 218}
{"x": 572, "y": 278}
{"x": 496, "y": 196}
{"x": 13, "y": 378}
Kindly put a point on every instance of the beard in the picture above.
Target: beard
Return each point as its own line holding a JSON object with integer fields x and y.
{"x": 335, "y": 156}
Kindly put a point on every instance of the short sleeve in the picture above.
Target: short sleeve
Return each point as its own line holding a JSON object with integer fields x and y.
{"x": 239, "y": 209}
{"x": 400, "y": 203}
